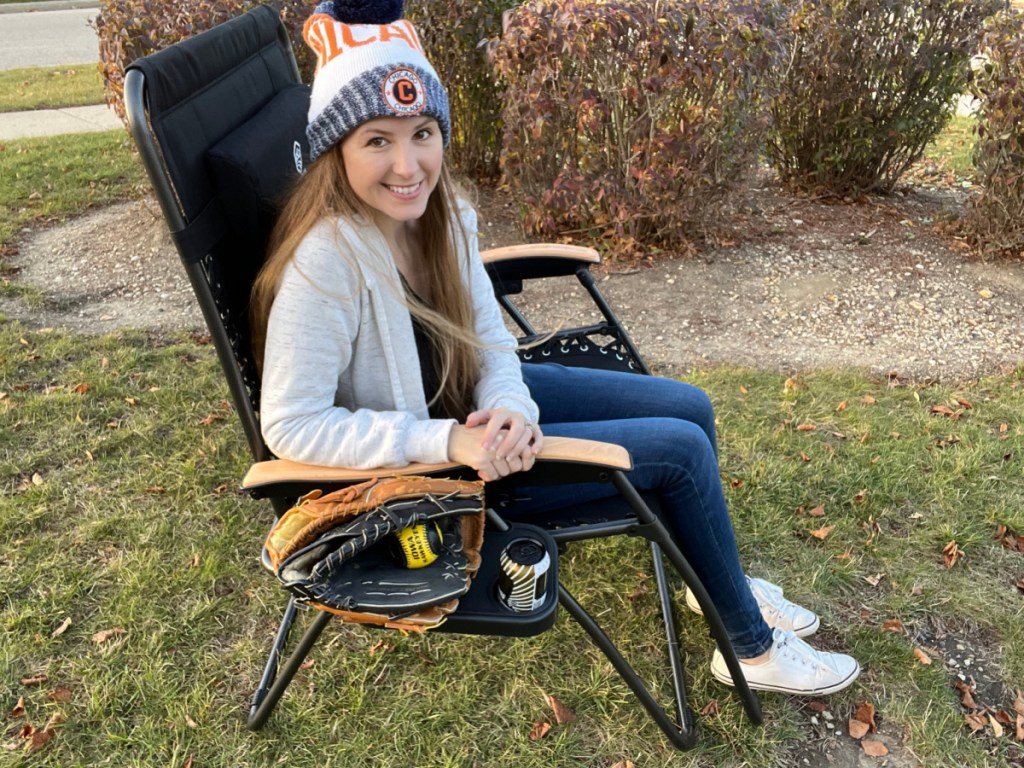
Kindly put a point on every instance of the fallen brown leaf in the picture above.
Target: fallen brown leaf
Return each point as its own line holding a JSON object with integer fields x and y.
{"x": 868, "y": 400}
{"x": 841, "y": 406}
{"x": 806, "y": 427}
{"x": 710, "y": 709}
{"x": 539, "y": 730}
{"x": 34, "y": 680}
{"x": 563, "y": 714}
{"x": 821, "y": 533}
{"x": 105, "y": 634}
{"x": 922, "y": 657}
{"x": 624, "y": 764}
{"x": 1020, "y": 728}
{"x": 858, "y": 730}
{"x": 81, "y": 389}
{"x": 874, "y": 579}
{"x": 38, "y": 739}
{"x": 975, "y": 722}
{"x": 791, "y": 384}
{"x": 308, "y": 663}
{"x": 874, "y": 748}
{"x": 1018, "y": 703}
{"x": 892, "y": 625}
{"x": 966, "y": 694}
{"x": 19, "y": 708}
{"x": 866, "y": 714}
{"x": 424, "y": 658}
{"x": 59, "y": 694}
{"x": 951, "y": 553}
{"x": 62, "y": 628}
{"x": 804, "y": 456}
{"x": 997, "y": 729}
{"x": 210, "y": 419}
{"x": 860, "y": 495}
{"x": 818, "y": 511}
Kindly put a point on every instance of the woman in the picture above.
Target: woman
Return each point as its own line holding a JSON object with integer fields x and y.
{"x": 382, "y": 343}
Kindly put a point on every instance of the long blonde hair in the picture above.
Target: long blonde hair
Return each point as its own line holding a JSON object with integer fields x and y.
{"x": 323, "y": 192}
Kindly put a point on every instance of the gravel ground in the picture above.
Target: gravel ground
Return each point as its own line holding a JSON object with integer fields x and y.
{"x": 877, "y": 284}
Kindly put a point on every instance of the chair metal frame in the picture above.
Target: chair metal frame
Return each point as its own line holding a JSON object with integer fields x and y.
{"x": 508, "y": 270}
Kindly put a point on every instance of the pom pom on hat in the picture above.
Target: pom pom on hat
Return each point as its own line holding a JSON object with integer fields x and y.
{"x": 364, "y": 11}
{"x": 370, "y": 64}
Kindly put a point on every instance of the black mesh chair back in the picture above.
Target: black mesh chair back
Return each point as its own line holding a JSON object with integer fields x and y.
{"x": 224, "y": 155}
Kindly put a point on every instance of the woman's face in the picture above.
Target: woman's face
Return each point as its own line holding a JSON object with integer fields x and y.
{"x": 393, "y": 164}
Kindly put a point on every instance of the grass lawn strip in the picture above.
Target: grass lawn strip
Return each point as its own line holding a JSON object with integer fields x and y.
{"x": 120, "y": 458}
{"x": 47, "y": 179}
{"x": 50, "y": 87}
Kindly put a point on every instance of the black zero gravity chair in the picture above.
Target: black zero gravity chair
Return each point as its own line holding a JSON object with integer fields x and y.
{"x": 219, "y": 121}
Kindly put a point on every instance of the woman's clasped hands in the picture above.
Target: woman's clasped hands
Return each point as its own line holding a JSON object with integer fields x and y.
{"x": 496, "y": 442}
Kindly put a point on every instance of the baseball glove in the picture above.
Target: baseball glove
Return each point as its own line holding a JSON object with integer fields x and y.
{"x": 396, "y": 552}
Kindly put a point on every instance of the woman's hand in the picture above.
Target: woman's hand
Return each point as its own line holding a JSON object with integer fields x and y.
{"x": 496, "y": 443}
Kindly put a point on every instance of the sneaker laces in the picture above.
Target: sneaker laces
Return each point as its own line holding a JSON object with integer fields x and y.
{"x": 788, "y": 645}
{"x": 772, "y": 602}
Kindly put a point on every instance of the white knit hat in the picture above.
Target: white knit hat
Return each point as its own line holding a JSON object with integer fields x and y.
{"x": 369, "y": 64}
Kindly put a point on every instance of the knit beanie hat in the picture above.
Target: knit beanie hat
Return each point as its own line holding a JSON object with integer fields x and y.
{"x": 369, "y": 64}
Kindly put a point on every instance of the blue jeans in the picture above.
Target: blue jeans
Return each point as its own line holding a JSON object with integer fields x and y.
{"x": 668, "y": 427}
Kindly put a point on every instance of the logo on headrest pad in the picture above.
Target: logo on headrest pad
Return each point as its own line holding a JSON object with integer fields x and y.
{"x": 404, "y": 92}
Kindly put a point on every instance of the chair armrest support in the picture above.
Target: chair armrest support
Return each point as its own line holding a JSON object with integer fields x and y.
{"x": 280, "y": 477}
{"x": 536, "y": 260}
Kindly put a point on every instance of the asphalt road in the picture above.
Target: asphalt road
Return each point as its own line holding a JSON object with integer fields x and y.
{"x": 48, "y": 38}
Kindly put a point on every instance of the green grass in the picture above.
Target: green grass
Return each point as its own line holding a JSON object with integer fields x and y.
{"x": 50, "y": 87}
{"x": 47, "y": 179}
{"x": 118, "y": 510}
{"x": 953, "y": 147}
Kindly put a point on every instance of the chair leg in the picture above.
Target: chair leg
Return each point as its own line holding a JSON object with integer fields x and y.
{"x": 274, "y": 682}
{"x": 668, "y": 617}
{"x": 683, "y": 734}
{"x": 656, "y": 532}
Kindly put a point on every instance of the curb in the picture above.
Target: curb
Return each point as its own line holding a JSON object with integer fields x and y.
{"x": 48, "y": 5}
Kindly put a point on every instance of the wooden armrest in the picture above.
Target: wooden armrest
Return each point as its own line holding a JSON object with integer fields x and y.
{"x": 541, "y": 250}
{"x": 556, "y": 449}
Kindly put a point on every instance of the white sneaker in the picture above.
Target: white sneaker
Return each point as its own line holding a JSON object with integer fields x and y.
{"x": 793, "y": 667}
{"x": 776, "y": 610}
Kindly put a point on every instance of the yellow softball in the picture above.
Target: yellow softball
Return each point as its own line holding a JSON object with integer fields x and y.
{"x": 419, "y": 545}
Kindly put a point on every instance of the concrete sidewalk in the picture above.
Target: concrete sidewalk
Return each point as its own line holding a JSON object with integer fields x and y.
{"x": 53, "y": 122}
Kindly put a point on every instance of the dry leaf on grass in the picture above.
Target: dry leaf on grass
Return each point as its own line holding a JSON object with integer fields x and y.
{"x": 874, "y": 748}
{"x": 34, "y": 680}
{"x": 997, "y": 729}
{"x": 806, "y": 427}
{"x": 892, "y": 625}
{"x": 105, "y": 634}
{"x": 59, "y": 694}
{"x": 821, "y": 533}
{"x": 539, "y": 730}
{"x": 818, "y": 511}
{"x": 1018, "y": 703}
{"x": 710, "y": 709}
{"x": 951, "y": 553}
{"x": 19, "y": 708}
{"x": 624, "y": 764}
{"x": 562, "y": 713}
{"x": 866, "y": 714}
{"x": 975, "y": 722}
{"x": 62, "y": 628}
{"x": 966, "y": 694}
{"x": 857, "y": 729}
{"x": 922, "y": 657}
{"x": 37, "y": 739}
{"x": 1020, "y": 728}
